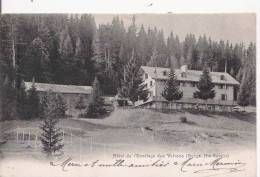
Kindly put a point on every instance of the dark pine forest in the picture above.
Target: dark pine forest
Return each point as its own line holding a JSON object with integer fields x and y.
{"x": 72, "y": 49}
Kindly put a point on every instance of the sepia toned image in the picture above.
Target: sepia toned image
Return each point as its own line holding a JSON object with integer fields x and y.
{"x": 128, "y": 95}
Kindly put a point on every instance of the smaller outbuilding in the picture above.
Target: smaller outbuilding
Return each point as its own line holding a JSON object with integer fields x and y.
{"x": 71, "y": 94}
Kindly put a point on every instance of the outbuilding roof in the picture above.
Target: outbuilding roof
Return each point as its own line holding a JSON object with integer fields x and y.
{"x": 189, "y": 75}
{"x": 43, "y": 87}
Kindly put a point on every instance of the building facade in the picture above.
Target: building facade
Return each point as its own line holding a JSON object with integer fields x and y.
{"x": 70, "y": 93}
{"x": 155, "y": 79}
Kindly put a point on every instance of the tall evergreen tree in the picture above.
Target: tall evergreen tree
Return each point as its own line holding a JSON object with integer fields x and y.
{"x": 51, "y": 135}
{"x": 244, "y": 93}
{"x": 96, "y": 104}
{"x": 37, "y": 61}
{"x": 56, "y": 65}
{"x": 8, "y": 72}
{"x": 131, "y": 36}
{"x": 8, "y": 93}
{"x": 194, "y": 63}
{"x": 142, "y": 47}
{"x": 132, "y": 86}
{"x": 171, "y": 90}
{"x": 22, "y": 102}
{"x": 161, "y": 49}
{"x": 33, "y": 103}
{"x": 205, "y": 86}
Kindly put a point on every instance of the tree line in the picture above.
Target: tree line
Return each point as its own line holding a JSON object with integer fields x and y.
{"x": 71, "y": 49}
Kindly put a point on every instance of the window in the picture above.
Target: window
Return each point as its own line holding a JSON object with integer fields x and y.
{"x": 221, "y": 86}
{"x": 193, "y": 84}
{"x": 223, "y": 97}
{"x": 222, "y": 77}
{"x": 164, "y": 73}
{"x": 146, "y": 76}
{"x": 151, "y": 83}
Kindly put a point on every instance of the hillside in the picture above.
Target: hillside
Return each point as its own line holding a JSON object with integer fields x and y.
{"x": 143, "y": 130}
{"x": 166, "y": 130}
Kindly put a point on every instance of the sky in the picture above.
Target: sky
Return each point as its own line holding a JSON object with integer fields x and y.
{"x": 233, "y": 27}
{"x": 236, "y": 28}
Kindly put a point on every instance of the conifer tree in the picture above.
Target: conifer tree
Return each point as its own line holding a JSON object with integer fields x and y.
{"x": 51, "y": 135}
{"x": 205, "y": 86}
{"x": 171, "y": 90}
{"x": 43, "y": 105}
{"x": 244, "y": 93}
{"x": 56, "y": 65}
{"x": 96, "y": 105}
{"x": 132, "y": 86}
{"x": 22, "y": 103}
{"x": 33, "y": 103}
{"x": 37, "y": 62}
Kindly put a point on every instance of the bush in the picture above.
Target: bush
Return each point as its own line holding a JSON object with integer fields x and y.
{"x": 183, "y": 119}
{"x": 122, "y": 102}
{"x": 95, "y": 109}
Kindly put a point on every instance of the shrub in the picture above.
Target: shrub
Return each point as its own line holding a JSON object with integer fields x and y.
{"x": 183, "y": 119}
{"x": 80, "y": 105}
{"x": 122, "y": 102}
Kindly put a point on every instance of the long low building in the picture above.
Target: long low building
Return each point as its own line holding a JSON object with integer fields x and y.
{"x": 226, "y": 89}
{"x": 70, "y": 93}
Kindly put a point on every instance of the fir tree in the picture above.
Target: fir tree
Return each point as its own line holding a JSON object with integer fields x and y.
{"x": 171, "y": 90}
{"x": 8, "y": 95}
{"x": 51, "y": 136}
{"x": 194, "y": 63}
{"x": 205, "y": 86}
{"x": 37, "y": 62}
{"x": 22, "y": 103}
{"x": 33, "y": 103}
{"x": 56, "y": 64}
{"x": 43, "y": 105}
{"x": 244, "y": 93}
{"x": 132, "y": 86}
{"x": 96, "y": 105}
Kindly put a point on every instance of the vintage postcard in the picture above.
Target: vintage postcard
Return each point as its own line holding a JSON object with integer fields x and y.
{"x": 128, "y": 94}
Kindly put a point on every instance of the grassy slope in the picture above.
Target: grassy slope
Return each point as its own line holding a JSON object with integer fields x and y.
{"x": 129, "y": 129}
{"x": 167, "y": 130}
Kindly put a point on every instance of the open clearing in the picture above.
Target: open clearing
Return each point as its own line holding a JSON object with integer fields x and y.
{"x": 142, "y": 131}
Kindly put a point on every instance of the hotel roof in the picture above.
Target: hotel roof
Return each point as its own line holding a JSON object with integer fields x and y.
{"x": 191, "y": 75}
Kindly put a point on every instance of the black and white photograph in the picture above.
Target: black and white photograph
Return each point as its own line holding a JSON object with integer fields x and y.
{"x": 128, "y": 95}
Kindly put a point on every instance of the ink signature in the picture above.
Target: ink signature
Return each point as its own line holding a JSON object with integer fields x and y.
{"x": 214, "y": 167}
